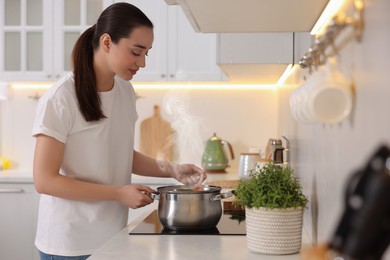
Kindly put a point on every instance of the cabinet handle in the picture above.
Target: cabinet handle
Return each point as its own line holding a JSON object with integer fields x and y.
{"x": 11, "y": 190}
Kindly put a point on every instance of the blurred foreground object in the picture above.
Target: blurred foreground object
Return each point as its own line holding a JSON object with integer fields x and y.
{"x": 363, "y": 232}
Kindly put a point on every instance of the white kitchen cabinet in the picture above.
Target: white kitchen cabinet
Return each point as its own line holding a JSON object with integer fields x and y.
{"x": 18, "y": 220}
{"x": 37, "y": 36}
{"x": 231, "y": 16}
{"x": 178, "y": 53}
{"x": 24, "y": 39}
{"x": 196, "y": 53}
{"x": 255, "y": 57}
{"x": 260, "y": 57}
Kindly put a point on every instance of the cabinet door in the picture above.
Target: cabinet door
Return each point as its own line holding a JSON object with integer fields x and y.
{"x": 72, "y": 17}
{"x": 194, "y": 54}
{"x": 18, "y": 221}
{"x": 25, "y": 32}
{"x": 178, "y": 53}
{"x": 255, "y": 57}
{"x": 37, "y": 36}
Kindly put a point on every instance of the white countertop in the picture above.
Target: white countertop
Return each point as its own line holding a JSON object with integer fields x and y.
{"x": 197, "y": 247}
{"x": 16, "y": 176}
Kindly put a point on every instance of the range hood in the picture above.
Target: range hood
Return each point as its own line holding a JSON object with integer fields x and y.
{"x": 227, "y": 16}
{"x": 259, "y": 57}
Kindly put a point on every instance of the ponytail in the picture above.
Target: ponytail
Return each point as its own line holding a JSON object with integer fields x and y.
{"x": 85, "y": 77}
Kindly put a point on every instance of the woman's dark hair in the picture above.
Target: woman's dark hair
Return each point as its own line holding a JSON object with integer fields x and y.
{"x": 118, "y": 20}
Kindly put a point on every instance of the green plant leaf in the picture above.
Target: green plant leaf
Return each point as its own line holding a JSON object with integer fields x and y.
{"x": 272, "y": 186}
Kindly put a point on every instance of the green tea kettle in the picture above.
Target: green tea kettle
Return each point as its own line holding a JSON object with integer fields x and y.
{"x": 214, "y": 158}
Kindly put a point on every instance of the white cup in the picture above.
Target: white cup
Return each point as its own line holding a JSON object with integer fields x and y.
{"x": 247, "y": 162}
{"x": 330, "y": 102}
{"x": 326, "y": 97}
{"x": 298, "y": 100}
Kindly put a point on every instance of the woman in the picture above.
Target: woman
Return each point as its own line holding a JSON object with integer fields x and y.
{"x": 84, "y": 130}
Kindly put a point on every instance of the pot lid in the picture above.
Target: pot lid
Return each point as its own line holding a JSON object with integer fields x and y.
{"x": 188, "y": 189}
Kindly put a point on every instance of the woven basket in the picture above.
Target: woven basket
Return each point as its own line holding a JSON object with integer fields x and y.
{"x": 274, "y": 231}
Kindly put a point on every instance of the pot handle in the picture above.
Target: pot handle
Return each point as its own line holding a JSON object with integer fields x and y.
{"x": 221, "y": 196}
{"x": 155, "y": 195}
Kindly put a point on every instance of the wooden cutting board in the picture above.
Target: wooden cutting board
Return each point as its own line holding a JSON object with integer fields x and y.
{"x": 228, "y": 184}
{"x": 156, "y": 137}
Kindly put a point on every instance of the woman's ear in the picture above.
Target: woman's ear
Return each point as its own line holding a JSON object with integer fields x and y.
{"x": 105, "y": 42}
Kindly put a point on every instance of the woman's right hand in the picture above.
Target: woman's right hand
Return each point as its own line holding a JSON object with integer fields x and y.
{"x": 135, "y": 196}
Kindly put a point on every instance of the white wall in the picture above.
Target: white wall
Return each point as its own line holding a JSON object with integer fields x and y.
{"x": 17, "y": 116}
{"x": 244, "y": 117}
{"x": 324, "y": 156}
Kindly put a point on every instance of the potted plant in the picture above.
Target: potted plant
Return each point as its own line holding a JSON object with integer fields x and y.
{"x": 274, "y": 202}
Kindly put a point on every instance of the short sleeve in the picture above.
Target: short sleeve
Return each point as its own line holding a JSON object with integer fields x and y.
{"x": 52, "y": 119}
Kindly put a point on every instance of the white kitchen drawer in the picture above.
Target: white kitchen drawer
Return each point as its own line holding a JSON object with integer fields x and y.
{"x": 18, "y": 220}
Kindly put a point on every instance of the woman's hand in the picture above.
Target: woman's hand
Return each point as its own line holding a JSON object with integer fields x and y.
{"x": 135, "y": 196}
{"x": 185, "y": 173}
{"x": 188, "y": 173}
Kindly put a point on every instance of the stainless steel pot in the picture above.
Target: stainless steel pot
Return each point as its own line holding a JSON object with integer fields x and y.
{"x": 182, "y": 208}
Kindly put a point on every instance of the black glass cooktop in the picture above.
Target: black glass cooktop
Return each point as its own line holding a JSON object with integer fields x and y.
{"x": 230, "y": 224}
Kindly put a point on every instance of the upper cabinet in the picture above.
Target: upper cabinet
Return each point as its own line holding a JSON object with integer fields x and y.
{"x": 23, "y": 38}
{"x": 259, "y": 57}
{"x": 178, "y": 53}
{"x": 37, "y": 36}
{"x": 37, "y": 39}
{"x": 255, "y": 57}
{"x": 257, "y": 39}
{"x": 226, "y": 16}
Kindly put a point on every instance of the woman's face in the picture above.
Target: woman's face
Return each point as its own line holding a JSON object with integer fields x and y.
{"x": 129, "y": 54}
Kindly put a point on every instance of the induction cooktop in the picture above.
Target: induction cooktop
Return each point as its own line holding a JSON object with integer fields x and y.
{"x": 230, "y": 224}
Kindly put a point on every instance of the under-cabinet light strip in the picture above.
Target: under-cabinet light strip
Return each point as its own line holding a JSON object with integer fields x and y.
{"x": 330, "y": 10}
{"x": 35, "y": 85}
{"x": 137, "y": 85}
{"x": 207, "y": 86}
{"x": 287, "y": 72}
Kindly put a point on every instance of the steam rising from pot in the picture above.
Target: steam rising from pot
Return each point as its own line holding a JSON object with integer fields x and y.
{"x": 187, "y": 127}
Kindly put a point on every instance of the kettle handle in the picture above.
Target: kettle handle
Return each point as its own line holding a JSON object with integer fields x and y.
{"x": 230, "y": 148}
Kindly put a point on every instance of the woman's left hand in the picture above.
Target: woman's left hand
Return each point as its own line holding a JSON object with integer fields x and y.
{"x": 188, "y": 173}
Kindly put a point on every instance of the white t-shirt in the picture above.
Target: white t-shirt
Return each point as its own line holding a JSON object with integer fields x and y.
{"x": 99, "y": 152}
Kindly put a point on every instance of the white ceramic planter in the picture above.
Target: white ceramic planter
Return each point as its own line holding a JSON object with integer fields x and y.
{"x": 274, "y": 231}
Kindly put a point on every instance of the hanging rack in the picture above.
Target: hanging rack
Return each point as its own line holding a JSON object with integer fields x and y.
{"x": 318, "y": 52}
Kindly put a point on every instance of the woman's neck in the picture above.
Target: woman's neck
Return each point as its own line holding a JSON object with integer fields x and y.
{"x": 104, "y": 76}
{"x": 104, "y": 85}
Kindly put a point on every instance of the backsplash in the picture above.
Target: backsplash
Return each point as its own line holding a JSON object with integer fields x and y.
{"x": 17, "y": 116}
{"x": 244, "y": 117}
{"x": 324, "y": 156}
